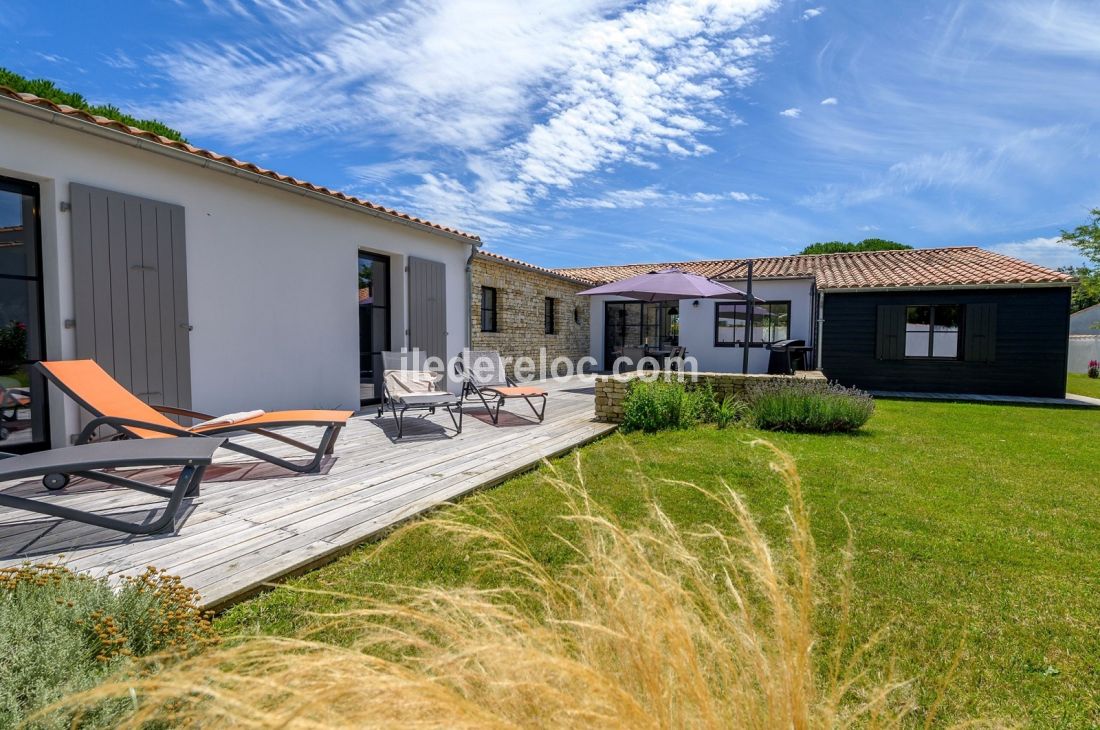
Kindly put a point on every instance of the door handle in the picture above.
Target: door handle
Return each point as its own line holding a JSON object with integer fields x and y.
{"x": 186, "y": 326}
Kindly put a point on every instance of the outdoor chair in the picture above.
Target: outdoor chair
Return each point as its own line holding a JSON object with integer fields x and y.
{"x": 675, "y": 357}
{"x": 58, "y": 466}
{"x": 12, "y": 401}
{"x": 405, "y": 387}
{"x": 634, "y": 355}
{"x": 128, "y": 416}
{"x": 484, "y": 378}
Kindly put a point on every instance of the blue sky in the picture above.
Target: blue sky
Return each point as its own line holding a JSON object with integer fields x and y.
{"x": 577, "y": 132}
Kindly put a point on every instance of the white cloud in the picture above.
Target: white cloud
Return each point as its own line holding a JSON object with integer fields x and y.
{"x": 831, "y": 101}
{"x": 1050, "y": 251}
{"x": 529, "y": 99}
{"x": 793, "y": 113}
{"x": 1068, "y": 28}
{"x": 1036, "y": 155}
{"x": 655, "y": 196}
{"x": 812, "y": 13}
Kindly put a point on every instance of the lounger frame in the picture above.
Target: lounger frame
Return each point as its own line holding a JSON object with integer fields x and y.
{"x": 76, "y": 461}
{"x": 121, "y": 428}
{"x": 492, "y": 398}
{"x": 399, "y": 415}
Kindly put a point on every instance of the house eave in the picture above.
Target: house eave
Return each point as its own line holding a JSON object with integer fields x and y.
{"x": 114, "y": 135}
{"x": 944, "y": 287}
{"x": 534, "y": 270}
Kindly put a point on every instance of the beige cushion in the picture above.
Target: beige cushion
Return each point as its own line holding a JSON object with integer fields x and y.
{"x": 416, "y": 386}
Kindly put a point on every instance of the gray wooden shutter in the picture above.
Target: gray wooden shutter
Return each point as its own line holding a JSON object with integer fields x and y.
{"x": 428, "y": 307}
{"x": 981, "y": 333}
{"x": 890, "y": 335}
{"x": 130, "y": 292}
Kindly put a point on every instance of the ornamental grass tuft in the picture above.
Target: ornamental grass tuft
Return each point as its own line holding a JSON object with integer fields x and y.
{"x": 649, "y": 626}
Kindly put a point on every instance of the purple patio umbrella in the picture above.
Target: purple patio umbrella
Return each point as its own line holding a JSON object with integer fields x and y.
{"x": 667, "y": 285}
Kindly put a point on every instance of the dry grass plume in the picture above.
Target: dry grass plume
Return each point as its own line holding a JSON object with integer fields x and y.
{"x": 652, "y": 626}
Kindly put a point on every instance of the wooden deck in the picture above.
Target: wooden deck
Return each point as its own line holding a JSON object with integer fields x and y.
{"x": 254, "y": 523}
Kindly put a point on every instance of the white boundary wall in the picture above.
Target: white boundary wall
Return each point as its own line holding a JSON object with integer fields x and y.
{"x": 1082, "y": 349}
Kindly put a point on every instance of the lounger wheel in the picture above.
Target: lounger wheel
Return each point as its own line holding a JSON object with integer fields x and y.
{"x": 56, "y": 481}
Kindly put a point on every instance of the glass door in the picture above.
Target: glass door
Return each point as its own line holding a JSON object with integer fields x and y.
{"x": 374, "y": 323}
{"x": 23, "y": 415}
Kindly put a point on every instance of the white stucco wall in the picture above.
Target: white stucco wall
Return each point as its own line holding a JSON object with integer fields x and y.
{"x": 272, "y": 275}
{"x": 697, "y": 325}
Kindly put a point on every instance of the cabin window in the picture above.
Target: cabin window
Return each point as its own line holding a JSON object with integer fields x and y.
{"x": 771, "y": 322}
{"x": 932, "y": 331}
{"x": 488, "y": 309}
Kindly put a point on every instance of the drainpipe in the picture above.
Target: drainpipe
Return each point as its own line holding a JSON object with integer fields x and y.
{"x": 470, "y": 297}
{"x": 820, "y": 328}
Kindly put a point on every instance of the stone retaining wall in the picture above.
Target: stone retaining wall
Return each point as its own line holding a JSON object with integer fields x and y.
{"x": 611, "y": 389}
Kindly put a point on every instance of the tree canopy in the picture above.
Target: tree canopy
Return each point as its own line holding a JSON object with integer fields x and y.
{"x": 867, "y": 244}
{"x": 1086, "y": 239}
{"x": 48, "y": 90}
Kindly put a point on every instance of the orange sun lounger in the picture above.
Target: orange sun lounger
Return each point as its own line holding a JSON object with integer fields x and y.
{"x": 116, "y": 408}
{"x": 484, "y": 378}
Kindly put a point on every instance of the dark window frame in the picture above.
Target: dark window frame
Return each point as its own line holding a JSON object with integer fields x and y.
{"x": 740, "y": 343}
{"x": 548, "y": 316}
{"x": 384, "y": 306}
{"x": 490, "y": 310}
{"x": 34, "y": 190}
{"x": 662, "y": 330}
{"x": 960, "y": 318}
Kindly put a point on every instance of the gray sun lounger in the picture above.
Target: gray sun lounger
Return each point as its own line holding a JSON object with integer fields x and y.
{"x": 58, "y": 466}
{"x": 406, "y": 387}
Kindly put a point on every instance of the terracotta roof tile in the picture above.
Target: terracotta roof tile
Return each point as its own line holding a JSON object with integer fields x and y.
{"x": 481, "y": 253}
{"x": 919, "y": 267}
{"x": 84, "y": 116}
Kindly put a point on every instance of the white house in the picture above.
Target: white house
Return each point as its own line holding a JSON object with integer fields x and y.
{"x": 202, "y": 281}
{"x": 948, "y": 320}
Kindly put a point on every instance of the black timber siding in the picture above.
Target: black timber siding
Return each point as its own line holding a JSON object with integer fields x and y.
{"x": 1032, "y": 339}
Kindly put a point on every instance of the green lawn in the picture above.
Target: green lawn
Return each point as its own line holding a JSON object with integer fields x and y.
{"x": 1083, "y": 385}
{"x": 976, "y": 526}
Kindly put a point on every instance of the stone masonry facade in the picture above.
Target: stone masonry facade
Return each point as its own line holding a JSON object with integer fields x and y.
{"x": 521, "y": 291}
{"x": 611, "y": 390}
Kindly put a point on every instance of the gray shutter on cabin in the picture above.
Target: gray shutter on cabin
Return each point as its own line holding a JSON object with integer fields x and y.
{"x": 980, "y": 335}
{"x": 890, "y": 334}
{"x": 130, "y": 292}
{"x": 428, "y": 307}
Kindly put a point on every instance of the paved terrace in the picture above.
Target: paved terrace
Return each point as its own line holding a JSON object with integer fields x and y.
{"x": 254, "y": 523}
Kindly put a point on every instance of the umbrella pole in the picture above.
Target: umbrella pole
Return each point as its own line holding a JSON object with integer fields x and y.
{"x": 748, "y": 321}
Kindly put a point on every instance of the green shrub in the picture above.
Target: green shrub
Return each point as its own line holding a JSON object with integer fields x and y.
{"x": 62, "y": 632}
{"x": 730, "y": 412}
{"x": 808, "y": 406}
{"x": 663, "y": 404}
{"x": 46, "y": 89}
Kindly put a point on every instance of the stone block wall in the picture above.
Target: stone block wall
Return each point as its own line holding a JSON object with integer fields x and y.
{"x": 611, "y": 389}
{"x": 521, "y": 291}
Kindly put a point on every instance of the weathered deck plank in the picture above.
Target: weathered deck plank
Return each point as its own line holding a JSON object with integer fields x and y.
{"x": 253, "y": 524}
